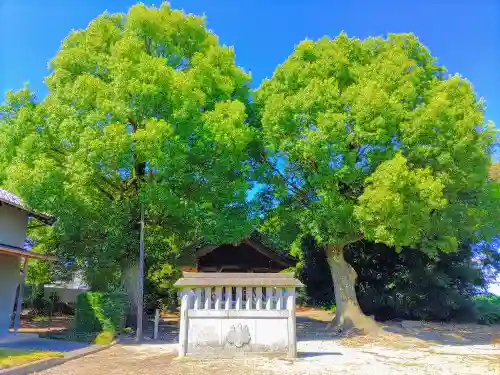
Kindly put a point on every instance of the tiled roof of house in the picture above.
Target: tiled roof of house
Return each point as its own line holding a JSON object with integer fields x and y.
{"x": 7, "y": 196}
{"x": 15, "y": 201}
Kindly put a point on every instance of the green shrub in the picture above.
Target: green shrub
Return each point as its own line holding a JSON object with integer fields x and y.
{"x": 100, "y": 312}
{"x": 104, "y": 338}
{"x": 128, "y": 330}
{"x": 330, "y": 306}
{"x": 488, "y": 309}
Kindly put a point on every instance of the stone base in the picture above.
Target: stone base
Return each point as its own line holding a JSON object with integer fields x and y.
{"x": 238, "y": 333}
{"x": 228, "y": 351}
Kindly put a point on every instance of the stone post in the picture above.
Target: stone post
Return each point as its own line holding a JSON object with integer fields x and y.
{"x": 292, "y": 334}
{"x": 157, "y": 322}
{"x": 183, "y": 331}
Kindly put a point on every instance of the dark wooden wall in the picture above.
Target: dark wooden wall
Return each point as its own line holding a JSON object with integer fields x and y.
{"x": 241, "y": 258}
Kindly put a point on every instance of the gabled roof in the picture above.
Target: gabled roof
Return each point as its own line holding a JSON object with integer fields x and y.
{"x": 282, "y": 259}
{"x": 14, "y": 201}
{"x": 192, "y": 279}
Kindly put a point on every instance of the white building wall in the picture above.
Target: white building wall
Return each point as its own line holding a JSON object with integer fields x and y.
{"x": 9, "y": 278}
{"x": 13, "y": 223}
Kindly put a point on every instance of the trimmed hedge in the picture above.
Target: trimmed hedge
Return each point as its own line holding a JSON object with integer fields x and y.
{"x": 100, "y": 312}
{"x": 104, "y": 338}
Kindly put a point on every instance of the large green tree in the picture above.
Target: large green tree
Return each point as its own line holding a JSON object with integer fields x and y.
{"x": 404, "y": 285}
{"x": 142, "y": 108}
{"x": 373, "y": 140}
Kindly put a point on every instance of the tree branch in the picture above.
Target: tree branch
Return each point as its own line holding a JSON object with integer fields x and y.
{"x": 293, "y": 187}
{"x": 357, "y": 238}
{"x": 106, "y": 193}
{"x": 56, "y": 158}
{"x": 110, "y": 183}
{"x": 340, "y": 246}
{"x": 147, "y": 42}
{"x": 139, "y": 168}
{"x": 133, "y": 122}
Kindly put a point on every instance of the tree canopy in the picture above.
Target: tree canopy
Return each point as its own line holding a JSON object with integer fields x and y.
{"x": 142, "y": 107}
{"x": 350, "y": 139}
{"x": 372, "y": 140}
{"x": 404, "y": 285}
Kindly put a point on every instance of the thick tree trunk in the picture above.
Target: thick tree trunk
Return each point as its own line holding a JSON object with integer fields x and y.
{"x": 348, "y": 313}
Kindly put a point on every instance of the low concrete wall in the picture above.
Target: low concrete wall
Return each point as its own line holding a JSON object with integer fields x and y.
{"x": 227, "y": 314}
{"x": 232, "y": 332}
{"x": 10, "y": 267}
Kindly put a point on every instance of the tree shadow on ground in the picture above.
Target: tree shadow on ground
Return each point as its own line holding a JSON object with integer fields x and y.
{"x": 309, "y": 329}
{"x": 313, "y": 327}
{"x": 168, "y": 333}
{"x": 316, "y": 354}
{"x": 403, "y": 334}
{"x": 43, "y": 344}
{"x": 445, "y": 333}
{"x": 130, "y": 341}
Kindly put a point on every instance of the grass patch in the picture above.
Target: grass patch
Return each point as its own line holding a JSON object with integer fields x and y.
{"x": 14, "y": 357}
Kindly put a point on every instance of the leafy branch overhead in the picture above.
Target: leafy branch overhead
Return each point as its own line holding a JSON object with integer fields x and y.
{"x": 372, "y": 139}
{"x": 144, "y": 106}
{"x": 350, "y": 139}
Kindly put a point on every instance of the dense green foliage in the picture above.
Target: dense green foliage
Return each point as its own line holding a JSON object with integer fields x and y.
{"x": 350, "y": 140}
{"x": 371, "y": 138}
{"x": 142, "y": 107}
{"x": 488, "y": 308}
{"x": 405, "y": 285}
{"x": 100, "y": 312}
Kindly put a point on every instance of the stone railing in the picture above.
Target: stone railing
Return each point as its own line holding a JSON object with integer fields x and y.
{"x": 230, "y": 313}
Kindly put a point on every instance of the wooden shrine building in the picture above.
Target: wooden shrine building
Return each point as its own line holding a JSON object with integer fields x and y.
{"x": 249, "y": 256}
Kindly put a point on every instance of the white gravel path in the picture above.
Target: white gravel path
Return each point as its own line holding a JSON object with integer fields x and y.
{"x": 315, "y": 357}
{"x": 431, "y": 349}
{"x": 326, "y": 357}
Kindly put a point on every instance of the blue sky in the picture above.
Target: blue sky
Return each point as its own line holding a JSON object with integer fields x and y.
{"x": 463, "y": 34}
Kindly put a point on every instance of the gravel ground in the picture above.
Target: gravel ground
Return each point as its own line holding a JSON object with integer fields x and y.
{"x": 315, "y": 357}
{"x": 404, "y": 349}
